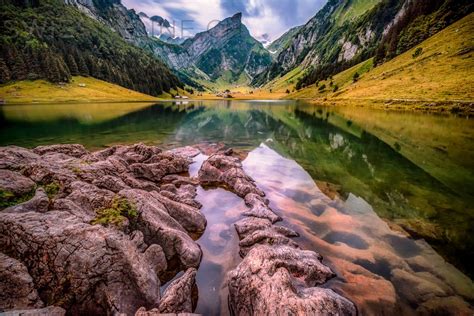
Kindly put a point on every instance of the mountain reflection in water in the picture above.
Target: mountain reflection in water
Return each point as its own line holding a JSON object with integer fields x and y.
{"x": 421, "y": 181}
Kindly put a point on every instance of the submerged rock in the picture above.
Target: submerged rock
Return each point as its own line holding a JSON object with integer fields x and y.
{"x": 100, "y": 230}
{"x": 276, "y": 277}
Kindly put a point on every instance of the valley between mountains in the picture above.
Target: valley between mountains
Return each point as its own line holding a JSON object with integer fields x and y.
{"x": 328, "y": 60}
{"x": 292, "y": 157}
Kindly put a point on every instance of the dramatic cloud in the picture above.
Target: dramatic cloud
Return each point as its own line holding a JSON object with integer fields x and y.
{"x": 270, "y": 17}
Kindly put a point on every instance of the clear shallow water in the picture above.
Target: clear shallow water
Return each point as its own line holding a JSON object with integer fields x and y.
{"x": 334, "y": 175}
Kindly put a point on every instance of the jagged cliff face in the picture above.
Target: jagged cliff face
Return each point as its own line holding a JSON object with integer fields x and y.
{"x": 342, "y": 31}
{"x": 277, "y": 46}
{"x": 227, "y": 50}
{"x": 112, "y": 13}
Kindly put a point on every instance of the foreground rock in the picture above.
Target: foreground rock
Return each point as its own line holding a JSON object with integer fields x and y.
{"x": 93, "y": 233}
{"x": 276, "y": 277}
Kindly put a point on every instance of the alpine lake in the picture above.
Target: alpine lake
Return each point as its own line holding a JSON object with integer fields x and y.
{"x": 385, "y": 197}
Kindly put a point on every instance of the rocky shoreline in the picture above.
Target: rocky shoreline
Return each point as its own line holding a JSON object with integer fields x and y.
{"x": 100, "y": 232}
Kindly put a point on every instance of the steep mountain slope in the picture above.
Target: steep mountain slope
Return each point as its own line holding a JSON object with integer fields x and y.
{"x": 112, "y": 13}
{"x": 277, "y": 46}
{"x": 437, "y": 70}
{"x": 227, "y": 51}
{"x": 55, "y": 40}
{"x": 346, "y": 32}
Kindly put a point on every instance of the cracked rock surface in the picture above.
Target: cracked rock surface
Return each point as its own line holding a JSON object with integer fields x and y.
{"x": 276, "y": 276}
{"x": 94, "y": 233}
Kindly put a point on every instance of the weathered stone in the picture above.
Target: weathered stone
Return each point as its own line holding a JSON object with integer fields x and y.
{"x": 156, "y": 312}
{"x": 91, "y": 269}
{"x": 17, "y": 290}
{"x": 248, "y": 225}
{"x": 268, "y": 237}
{"x": 72, "y": 150}
{"x": 227, "y": 171}
{"x": 188, "y": 151}
{"x": 110, "y": 183}
{"x": 15, "y": 158}
{"x": 159, "y": 227}
{"x": 47, "y": 311}
{"x": 39, "y": 203}
{"x": 15, "y": 183}
{"x": 84, "y": 268}
{"x": 258, "y": 207}
{"x": 177, "y": 297}
{"x": 156, "y": 258}
{"x": 89, "y": 197}
{"x": 281, "y": 280}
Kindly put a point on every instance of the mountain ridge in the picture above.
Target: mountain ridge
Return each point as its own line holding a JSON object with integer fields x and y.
{"x": 58, "y": 39}
{"x": 227, "y": 51}
{"x": 346, "y": 32}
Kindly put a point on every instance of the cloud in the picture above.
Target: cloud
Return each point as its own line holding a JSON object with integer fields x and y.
{"x": 272, "y": 17}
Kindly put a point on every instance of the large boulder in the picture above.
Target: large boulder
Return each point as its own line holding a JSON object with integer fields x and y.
{"x": 282, "y": 280}
{"x": 98, "y": 234}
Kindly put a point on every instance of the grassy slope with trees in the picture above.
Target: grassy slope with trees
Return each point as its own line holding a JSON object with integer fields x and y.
{"x": 78, "y": 89}
{"x": 53, "y": 41}
{"x": 437, "y": 70}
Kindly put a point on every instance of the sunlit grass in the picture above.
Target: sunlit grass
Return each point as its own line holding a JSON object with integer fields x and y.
{"x": 441, "y": 73}
{"x": 80, "y": 89}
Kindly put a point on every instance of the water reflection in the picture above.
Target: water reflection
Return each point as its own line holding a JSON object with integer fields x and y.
{"x": 416, "y": 171}
{"x": 381, "y": 270}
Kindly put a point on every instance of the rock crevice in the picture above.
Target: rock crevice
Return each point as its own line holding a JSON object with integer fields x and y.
{"x": 276, "y": 276}
{"x": 100, "y": 230}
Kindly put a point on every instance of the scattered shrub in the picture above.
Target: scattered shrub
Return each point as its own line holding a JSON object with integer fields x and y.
{"x": 356, "y": 76}
{"x": 417, "y": 52}
{"x": 8, "y": 198}
{"x": 119, "y": 210}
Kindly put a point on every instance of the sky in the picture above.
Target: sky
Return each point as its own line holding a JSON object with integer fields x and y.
{"x": 271, "y": 17}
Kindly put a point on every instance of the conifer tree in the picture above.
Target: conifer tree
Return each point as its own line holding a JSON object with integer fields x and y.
{"x": 4, "y": 72}
{"x": 19, "y": 70}
{"x": 72, "y": 65}
{"x": 81, "y": 65}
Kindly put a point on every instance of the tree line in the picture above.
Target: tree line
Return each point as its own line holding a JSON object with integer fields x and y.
{"x": 50, "y": 40}
{"x": 421, "y": 19}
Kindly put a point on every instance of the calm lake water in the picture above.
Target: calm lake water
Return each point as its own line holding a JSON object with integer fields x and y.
{"x": 385, "y": 197}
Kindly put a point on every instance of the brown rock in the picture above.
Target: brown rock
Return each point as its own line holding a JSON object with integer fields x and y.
{"x": 47, "y": 311}
{"x": 39, "y": 203}
{"x": 177, "y": 297}
{"x": 91, "y": 269}
{"x": 72, "y": 150}
{"x": 281, "y": 280}
{"x": 86, "y": 269}
{"x": 17, "y": 290}
{"x": 15, "y": 183}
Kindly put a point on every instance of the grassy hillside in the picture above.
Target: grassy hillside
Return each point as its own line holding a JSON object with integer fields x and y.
{"x": 80, "y": 89}
{"x": 353, "y": 9}
{"x": 437, "y": 70}
{"x": 54, "y": 41}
